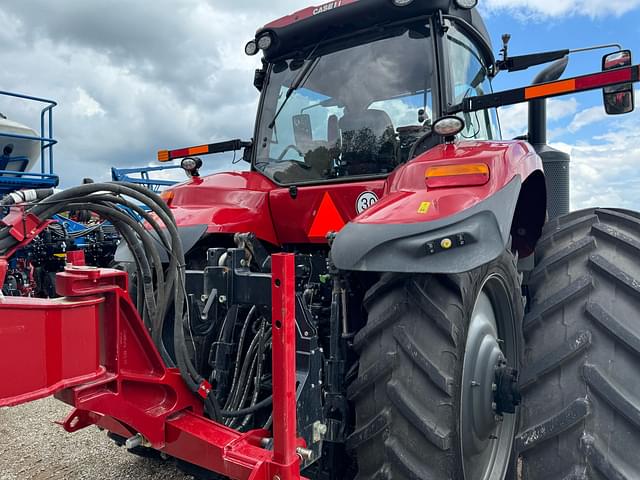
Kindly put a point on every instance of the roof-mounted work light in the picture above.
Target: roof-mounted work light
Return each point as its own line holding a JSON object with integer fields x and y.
{"x": 466, "y": 4}
{"x": 251, "y": 48}
{"x": 265, "y": 42}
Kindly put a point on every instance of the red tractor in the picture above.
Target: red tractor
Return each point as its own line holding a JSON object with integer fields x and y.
{"x": 391, "y": 292}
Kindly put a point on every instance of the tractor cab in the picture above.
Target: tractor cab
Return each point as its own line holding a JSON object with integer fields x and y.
{"x": 357, "y": 97}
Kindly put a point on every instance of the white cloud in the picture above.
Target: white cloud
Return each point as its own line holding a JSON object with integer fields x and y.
{"x": 525, "y": 9}
{"x": 514, "y": 119}
{"x": 587, "y": 117}
{"x": 604, "y": 173}
{"x": 85, "y": 105}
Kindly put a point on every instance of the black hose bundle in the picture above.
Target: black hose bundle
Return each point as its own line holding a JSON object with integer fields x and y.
{"x": 160, "y": 287}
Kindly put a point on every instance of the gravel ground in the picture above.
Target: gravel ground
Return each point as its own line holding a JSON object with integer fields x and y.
{"x": 32, "y": 447}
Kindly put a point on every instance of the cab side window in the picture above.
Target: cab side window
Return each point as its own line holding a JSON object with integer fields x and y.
{"x": 469, "y": 77}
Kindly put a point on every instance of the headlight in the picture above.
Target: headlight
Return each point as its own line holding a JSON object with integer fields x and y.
{"x": 251, "y": 48}
{"x": 448, "y": 126}
{"x": 466, "y": 4}
{"x": 265, "y": 41}
{"x": 191, "y": 165}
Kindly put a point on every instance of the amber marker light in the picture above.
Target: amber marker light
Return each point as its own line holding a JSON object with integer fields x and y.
{"x": 464, "y": 175}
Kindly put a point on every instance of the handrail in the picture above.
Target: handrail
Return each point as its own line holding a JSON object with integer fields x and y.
{"x": 46, "y": 130}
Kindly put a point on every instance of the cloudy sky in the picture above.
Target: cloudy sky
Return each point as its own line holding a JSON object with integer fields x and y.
{"x": 134, "y": 76}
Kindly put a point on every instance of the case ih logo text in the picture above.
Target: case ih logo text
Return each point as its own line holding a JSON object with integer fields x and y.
{"x": 326, "y": 7}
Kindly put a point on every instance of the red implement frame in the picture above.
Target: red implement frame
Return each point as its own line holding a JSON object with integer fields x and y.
{"x": 92, "y": 351}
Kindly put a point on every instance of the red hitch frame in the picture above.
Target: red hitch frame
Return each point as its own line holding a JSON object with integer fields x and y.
{"x": 92, "y": 350}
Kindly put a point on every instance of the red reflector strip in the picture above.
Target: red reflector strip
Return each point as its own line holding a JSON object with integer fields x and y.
{"x": 603, "y": 79}
{"x": 168, "y": 155}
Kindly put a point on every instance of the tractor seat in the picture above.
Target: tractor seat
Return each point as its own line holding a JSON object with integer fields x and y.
{"x": 369, "y": 142}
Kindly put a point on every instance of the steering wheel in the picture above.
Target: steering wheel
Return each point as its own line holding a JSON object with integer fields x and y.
{"x": 286, "y": 150}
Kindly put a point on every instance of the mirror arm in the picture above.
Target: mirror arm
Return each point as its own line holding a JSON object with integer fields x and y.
{"x": 523, "y": 62}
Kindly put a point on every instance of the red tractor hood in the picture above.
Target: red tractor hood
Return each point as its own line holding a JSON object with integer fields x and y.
{"x": 226, "y": 203}
{"x": 244, "y": 202}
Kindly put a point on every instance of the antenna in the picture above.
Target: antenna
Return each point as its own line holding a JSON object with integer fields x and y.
{"x": 505, "y": 46}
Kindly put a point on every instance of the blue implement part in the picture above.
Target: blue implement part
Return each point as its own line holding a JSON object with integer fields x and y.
{"x": 141, "y": 176}
{"x": 13, "y": 174}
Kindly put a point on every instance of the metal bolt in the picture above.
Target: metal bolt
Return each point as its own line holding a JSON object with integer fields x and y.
{"x": 319, "y": 431}
{"x": 474, "y": 383}
{"x": 243, "y": 263}
{"x": 306, "y": 334}
{"x": 305, "y": 454}
{"x": 494, "y": 406}
{"x": 222, "y": 299}
{"x": 204, "y": 298}
{"x": 494, "y": 387}
{"x": 498, "y": 418}
{"x": 134, "y": 442}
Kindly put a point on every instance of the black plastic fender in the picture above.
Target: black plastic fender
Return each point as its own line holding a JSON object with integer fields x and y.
{"x": 476, "y": 236}
{"x": 188, "y": 235}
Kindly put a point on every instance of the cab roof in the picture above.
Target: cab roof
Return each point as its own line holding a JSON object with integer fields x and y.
{"x": 297, "y": 32}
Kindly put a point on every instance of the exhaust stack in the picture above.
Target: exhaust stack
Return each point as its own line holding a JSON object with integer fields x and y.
{"x": 555, "y": 163}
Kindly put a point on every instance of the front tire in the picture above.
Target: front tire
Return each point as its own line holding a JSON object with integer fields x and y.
{"x": 581, "y": 381}
{"x": 425, "y": 406}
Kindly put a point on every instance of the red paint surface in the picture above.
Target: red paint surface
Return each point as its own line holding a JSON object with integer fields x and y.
{"x": 327, "y": 219}
{"x": 293, "y": 218}
{"x": 306, "y": 13}
{"x": 227, "y": 203}
{"x": 406, "y": 189}
{"x": 250, "y": 202}
{"x": 283, "y": 288}
{"x": 93, "y": 351}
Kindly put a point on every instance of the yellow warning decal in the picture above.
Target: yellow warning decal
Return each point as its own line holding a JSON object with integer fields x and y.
{"x": 424, "y": 207}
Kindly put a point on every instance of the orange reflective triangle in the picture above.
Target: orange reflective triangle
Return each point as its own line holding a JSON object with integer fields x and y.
{"x": 328, "y": 219}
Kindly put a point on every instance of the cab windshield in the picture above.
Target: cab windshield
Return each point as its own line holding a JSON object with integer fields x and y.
{"x": 356, "y": 112}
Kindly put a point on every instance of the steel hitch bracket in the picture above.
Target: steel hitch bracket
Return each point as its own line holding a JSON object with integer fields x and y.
{"x": 92, "y": 350}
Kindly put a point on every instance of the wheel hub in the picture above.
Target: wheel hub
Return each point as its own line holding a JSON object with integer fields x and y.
{"x": 507, "y": 393}
{"x": 489, "y": 389}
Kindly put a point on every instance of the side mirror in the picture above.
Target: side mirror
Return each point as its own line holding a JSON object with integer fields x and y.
{"x": 619, "y": 99}
{"x": 247, "y": 152}
{"x": 259, "y": 79}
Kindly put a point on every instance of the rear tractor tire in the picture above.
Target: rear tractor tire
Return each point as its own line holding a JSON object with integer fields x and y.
{"x": 437, "y": 375}
{"x": 580, "y": 417}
